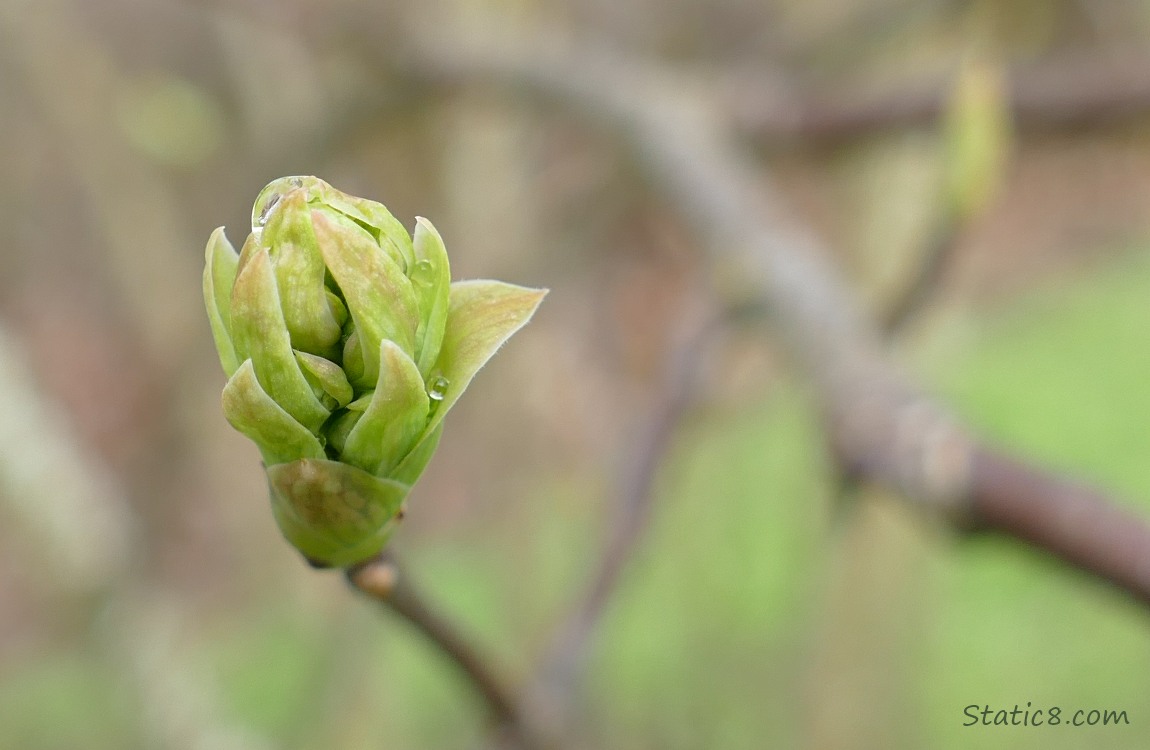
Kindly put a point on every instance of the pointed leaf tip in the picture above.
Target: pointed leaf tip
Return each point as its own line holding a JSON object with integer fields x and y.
{"x": 481, "y": 317}
{"x": 220, "y": 267}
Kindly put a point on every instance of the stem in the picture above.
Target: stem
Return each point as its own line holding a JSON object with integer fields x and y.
{"x": 380, "y": 579}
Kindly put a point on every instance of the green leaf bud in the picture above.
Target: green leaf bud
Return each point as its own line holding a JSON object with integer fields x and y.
{"x": 345, "y": 345}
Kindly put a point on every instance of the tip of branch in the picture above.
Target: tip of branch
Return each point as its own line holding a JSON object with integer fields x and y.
{"x": 376, "y": 578}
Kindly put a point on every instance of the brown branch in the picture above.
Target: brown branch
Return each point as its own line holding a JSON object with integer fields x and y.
{"x": 883, "y": 428}
{"x": 381, "y": 580}
{"x": 1076, "y": 522}
{"x": 1059, "y": 95}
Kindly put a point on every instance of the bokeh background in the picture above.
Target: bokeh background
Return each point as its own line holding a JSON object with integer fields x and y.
{"x": 146, "y": 598}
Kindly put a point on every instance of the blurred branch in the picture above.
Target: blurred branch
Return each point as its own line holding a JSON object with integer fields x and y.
{"x": 1058, "y": 95}
{"x": 882, "y": 427}
{"x": 1080, "y": 524}
{"x": 924, "y": 283}
{"x": 632, "y": 501}
{"x": 85, "y": 533}
{"x": 381, "y": 580}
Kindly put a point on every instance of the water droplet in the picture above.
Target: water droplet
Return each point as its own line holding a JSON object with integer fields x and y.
{"x": 265, "y": 211}
{"x": 271, "y": 196}
{"x": 438, "y": 388}
{"x": 423, "y": 273}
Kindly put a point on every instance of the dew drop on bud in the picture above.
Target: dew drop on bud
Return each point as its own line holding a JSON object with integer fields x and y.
{"x": 423, "y": 273}
{"x": 265, "y": 210}
{"x": 438, "y": 388}
{"x": 270, "y": 197}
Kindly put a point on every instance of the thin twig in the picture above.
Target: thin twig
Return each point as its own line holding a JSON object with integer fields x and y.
{"x": 930, "y": 270}
{"x": 380, "y": 579}
{"x": 632, "y": 503}
{"x": 906, "y": 305}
